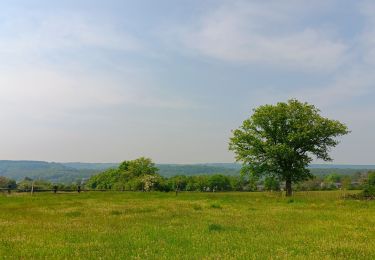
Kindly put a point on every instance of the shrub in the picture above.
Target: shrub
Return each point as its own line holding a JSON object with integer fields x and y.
{"x": 369, "y": 191}
{"x": 7, "y": 183}
{"x": 369, "y": 188}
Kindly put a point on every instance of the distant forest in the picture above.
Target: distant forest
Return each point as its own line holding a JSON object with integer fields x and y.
{"x": 68, "y": 173}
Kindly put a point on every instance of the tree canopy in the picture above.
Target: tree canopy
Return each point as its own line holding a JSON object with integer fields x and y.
{"x": 281, "y": 140}
{"x": 130, "y": 175}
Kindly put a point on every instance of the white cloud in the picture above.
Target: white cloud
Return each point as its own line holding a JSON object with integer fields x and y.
{"x": 245, "y": 32}
{"x": 367, "y": 40}
{"x": 357, "y": 79}
{"x": 35, "y": 34}
{"x": 41, "y": 77}
{"x": 343, "y": 87}
{"x": 44, "y": 93}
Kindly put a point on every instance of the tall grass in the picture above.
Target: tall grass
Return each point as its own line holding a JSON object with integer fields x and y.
{"x": 311, "y": 225}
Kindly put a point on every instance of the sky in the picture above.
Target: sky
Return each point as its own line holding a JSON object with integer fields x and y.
{"x": 106, "y": 81}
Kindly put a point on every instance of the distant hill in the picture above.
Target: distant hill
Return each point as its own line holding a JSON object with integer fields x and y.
{"x": 90, "y": 166}
{"x": 76, "y": 171}
{"x": 343, "y": 166}
{"x": 342, "y": 169}
{"x": 168, "y": 170}
{"x": 54, "y": 172}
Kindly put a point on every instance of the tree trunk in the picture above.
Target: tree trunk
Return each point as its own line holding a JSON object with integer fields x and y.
{"x": 288, "y": 187}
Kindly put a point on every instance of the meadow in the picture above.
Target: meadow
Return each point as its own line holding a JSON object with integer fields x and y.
{"x": 155, "y": 225}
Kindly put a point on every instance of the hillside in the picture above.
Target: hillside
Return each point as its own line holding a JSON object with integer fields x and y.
{"x": 168, "y": 170}
{"x": 73, "y": 172}
{"x": 90, "y": 166}
{"x": 51, "y": 171}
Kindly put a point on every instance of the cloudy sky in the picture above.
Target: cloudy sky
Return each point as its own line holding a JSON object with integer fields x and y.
{"x": 104, "y": 81}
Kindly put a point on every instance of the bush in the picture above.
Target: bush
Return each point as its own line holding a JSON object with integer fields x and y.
{"x": 369, "y": 188}
{"x": 7, "y": 183}
{"x": 28, "y": 184}
{"x": 271, "y": 184}
{"x": 371, "y": 179}
{"x": 369, "y": 191}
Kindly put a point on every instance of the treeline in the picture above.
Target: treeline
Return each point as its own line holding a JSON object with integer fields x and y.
{"x": 142, "y": 175}
{"x": 28, "y": 184}
{"x": 68, "y": 173}
{"x": 170, "y": 170}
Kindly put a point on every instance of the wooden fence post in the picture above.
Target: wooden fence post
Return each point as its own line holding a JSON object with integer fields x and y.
{"x": 32, "y": 188}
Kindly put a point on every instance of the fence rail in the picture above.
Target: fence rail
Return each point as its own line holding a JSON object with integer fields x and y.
{"x": 54, "y": 190}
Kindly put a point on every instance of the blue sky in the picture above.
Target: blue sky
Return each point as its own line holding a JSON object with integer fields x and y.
{"x": 105, "y": 81}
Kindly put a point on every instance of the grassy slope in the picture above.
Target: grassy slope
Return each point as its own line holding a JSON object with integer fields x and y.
{"x": 316, "y": 225}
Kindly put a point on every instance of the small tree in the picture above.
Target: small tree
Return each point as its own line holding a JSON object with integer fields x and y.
{"x": 369, "y": 187}
{"x": 132, "y": 175}
{"x": 371, "y": 178}
{"x": 219, "y": 182}
{"x": 7, "y": 183}
{"x": 346, "y": 182}
{"x": 280, "y": 140}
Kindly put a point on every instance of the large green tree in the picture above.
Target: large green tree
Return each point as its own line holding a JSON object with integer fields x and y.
{"x": 281, "y": 140}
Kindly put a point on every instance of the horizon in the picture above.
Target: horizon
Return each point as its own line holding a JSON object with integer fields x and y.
{"x": 182, "y": 164}
{"x": 88, "y": 81}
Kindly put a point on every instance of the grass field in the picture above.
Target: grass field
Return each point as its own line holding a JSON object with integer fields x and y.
{"x": 316, "y": 225}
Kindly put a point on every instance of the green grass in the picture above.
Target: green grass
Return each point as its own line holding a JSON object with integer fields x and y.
{"x": 311, "y": 225}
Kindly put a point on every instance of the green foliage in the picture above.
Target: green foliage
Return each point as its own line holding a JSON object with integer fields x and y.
{"x": 369, "y": 189}
{"x": 170, "y": 170}
{"x": 139, "y": 174}
{"x": 7, "y": 183}
{"x": 333, "y": 178}
{"x": 219, "y": 182}
{"x": 371, "y": 178}
{"x": 346, "y": 182}
{"x": 179, "y": 183}
{"x": 310, "y": 184}
{"x": 27, "y": 184}
{"x": 279, "y": 140}
{"x": 67, "y": 175}
{"x": 271, "y": 184}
